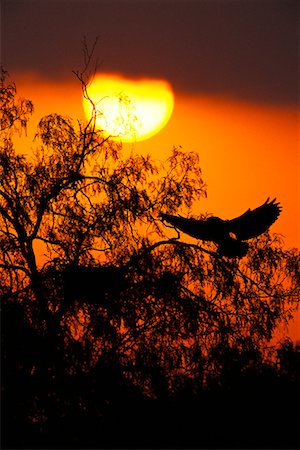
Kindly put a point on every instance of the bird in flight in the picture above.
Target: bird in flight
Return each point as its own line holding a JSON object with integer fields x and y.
{"x": 229, "y": 235}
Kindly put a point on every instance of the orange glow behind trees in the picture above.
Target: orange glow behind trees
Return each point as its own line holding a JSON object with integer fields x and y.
{"x": 124, "y": 310}
{"x": 247, "y": 151}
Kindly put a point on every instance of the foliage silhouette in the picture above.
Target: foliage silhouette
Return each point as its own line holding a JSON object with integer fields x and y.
{"x": 120, "y": 314}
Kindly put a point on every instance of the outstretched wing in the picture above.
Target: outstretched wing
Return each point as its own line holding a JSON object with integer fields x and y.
{"x": 211, "y": 229}
{"x": 192, "y": 227}
{"x": 255, "y": 222}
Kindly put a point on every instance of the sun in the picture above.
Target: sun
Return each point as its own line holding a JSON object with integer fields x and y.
{"x": 127, "y": 109}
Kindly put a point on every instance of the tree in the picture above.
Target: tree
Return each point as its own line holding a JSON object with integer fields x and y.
{"x": 118, "y": 289}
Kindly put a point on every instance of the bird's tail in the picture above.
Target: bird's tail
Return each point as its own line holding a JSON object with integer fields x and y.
{"x": 233, "y": 248}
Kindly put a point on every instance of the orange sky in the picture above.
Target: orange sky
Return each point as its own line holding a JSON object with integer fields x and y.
{"x": 248, "y": 152}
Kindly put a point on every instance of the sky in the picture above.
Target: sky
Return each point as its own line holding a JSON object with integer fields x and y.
{"x": 246, "y": 49}
{"x": 233, "y": 66}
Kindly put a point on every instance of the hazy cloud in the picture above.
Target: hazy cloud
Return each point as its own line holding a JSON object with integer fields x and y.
{"x": 240, "y": 48}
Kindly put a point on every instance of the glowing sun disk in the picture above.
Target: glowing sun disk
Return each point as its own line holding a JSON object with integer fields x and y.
{"x": 129, "y": 110}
